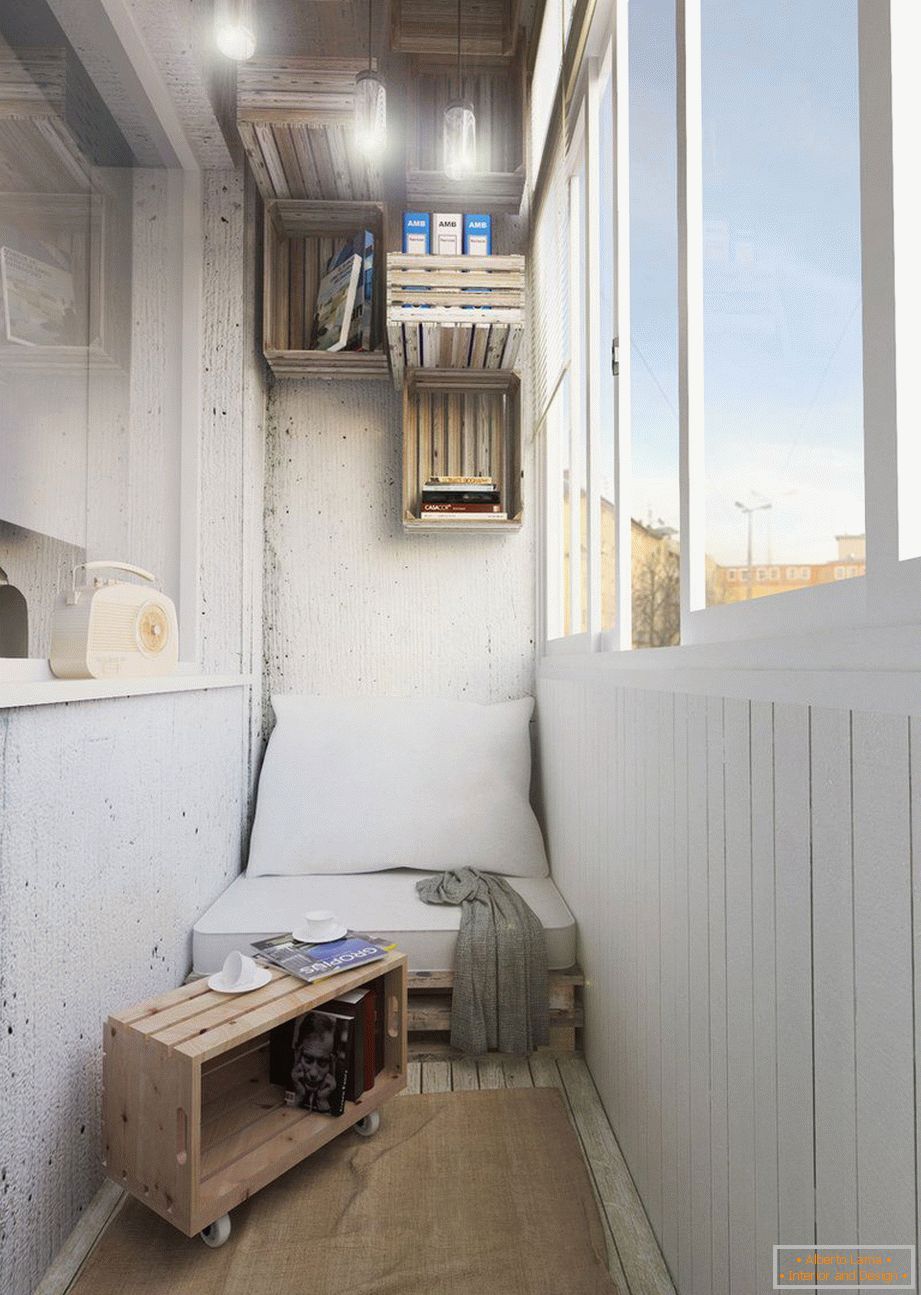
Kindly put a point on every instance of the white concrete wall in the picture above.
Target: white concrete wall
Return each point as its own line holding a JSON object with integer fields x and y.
{"x": 745, "y": 876}
{"x": 352, "y": 603}
{"x": 120, "y": 821}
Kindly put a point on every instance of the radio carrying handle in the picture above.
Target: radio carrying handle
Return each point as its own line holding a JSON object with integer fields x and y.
{"x": 113, "y": 566}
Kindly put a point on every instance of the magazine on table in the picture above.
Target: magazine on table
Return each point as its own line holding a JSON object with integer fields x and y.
{"x": 312, "y": 962}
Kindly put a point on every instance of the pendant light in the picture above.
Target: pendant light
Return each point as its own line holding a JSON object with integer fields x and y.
{"x": 234, "y": 30}
{"x": 370, "y": 105}
{"x": 459, "y": 126}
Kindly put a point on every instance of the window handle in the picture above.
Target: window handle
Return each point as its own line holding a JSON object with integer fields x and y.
{"x": 615, "y": 357}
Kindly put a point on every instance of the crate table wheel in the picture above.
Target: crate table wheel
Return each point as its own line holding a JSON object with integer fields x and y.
{"x": 217, "y": 1232}
{"x": 369, "y": 1125}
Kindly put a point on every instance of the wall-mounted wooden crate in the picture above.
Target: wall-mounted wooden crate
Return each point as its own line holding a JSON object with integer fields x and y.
{"x": 489, "y": 28}
{"x": 294, "y": 116}
{"x": 498, "y": 96}
{"x": 461, "y": 424}
{"x": 454, "y": 312}
{"x": 299, "y": 239}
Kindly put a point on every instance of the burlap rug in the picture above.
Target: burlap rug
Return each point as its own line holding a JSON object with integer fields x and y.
{"x": 473, "y": 1193}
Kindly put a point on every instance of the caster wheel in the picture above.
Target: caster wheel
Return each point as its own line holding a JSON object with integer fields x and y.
{"x": 369, "y": 1125}
{"x": 217, "y": 1232}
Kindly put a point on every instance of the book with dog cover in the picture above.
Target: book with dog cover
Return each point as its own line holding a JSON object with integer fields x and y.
{"x": 309, "y": 1059}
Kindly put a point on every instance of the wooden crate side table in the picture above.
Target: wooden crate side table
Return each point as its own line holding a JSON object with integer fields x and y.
{"x": 191, "y": 1124}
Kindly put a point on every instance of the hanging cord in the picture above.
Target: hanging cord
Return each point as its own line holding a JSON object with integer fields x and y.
{"x": 460, "y": 86}
{"x": 370, "y": 11}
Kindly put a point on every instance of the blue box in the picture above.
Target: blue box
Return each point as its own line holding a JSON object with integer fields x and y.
{"x": 477, "y": 235}
{"x": 417, "y": 233}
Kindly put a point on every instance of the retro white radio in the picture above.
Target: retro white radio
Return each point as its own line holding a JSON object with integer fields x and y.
{"x": 106, "y": 628}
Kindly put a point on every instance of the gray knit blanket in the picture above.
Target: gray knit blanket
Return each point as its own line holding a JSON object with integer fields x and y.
{"x": 500, "y": 971}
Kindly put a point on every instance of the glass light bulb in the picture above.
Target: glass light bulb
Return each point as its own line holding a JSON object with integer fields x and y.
{"x": 234, "y": 29}
{"x": 459, "y": 139}
{"x": 370, "y": 113}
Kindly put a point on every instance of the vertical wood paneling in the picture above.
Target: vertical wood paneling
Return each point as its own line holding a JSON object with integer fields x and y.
{"x": 764, "y": 974}
{"x": 883, "y": 978}
{"x": 914, "y": 754}
{"x": 796, "y": 1169}
{"x": 665, "y": 936}
{"x": 742, "y": 876}
{"x": 716, "y": 888}
{"x": 634, "y": 1130}
{"x": 699, "y": 993}
{"x": 833, "y": 976}
{"x": 680, "y": 1026}
{"x": 652, "y": 921}
{"x": 739, "y": 978}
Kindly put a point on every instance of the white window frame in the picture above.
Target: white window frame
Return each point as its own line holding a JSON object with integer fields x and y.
{"x": 889, "y": 594}
{"x": 600, "y": 62}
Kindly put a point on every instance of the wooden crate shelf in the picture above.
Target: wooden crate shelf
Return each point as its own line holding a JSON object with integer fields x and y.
{"x": 498, "y": 96}
{"x": 300, "y": 236}
{"x": 294, "y": 116}
{"x": 192, "y": 1125}
{"x": 430, "y": 994}
{"x": 454, "y": 312}
{"x": 461, "y": 423}
{"x": 489, "y": 28}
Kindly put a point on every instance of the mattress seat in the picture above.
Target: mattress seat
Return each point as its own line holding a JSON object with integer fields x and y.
{"x": 374, "y": 903}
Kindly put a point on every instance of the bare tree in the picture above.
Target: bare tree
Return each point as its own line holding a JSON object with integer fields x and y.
{"x": 656, "y": 595}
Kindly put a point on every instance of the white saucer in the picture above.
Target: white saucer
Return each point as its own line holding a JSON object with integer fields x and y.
{"x": 341, "y": 932}
{"x": 262, "y": 977}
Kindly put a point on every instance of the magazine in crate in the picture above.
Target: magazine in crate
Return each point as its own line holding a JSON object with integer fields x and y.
{"x": 312, "y": 962}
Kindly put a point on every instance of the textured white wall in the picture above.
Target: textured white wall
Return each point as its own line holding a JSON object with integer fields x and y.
{"x": 354, "y": 605}
{"x": 120, "y": 821}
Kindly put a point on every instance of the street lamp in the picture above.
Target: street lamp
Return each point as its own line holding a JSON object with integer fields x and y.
{"x": 750, "y": 510}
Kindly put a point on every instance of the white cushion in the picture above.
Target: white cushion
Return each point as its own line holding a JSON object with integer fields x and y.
{"x": 364, "y": 784}
{"x": 378, "y": 903}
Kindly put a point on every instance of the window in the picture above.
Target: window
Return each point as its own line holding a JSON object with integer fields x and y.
{"x": 905, "y": 19}
{"x": 91, "y": 354}
{"x": 653, "y": 370}
{"x": 722, "y": 471}
{"x": 783, "y": 398}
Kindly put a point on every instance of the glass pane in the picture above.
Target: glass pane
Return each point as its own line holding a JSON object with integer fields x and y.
{"x": 655, "y": 515}
{"x": 782, "y": 296}
{"x": 90, "y": 327}
{"x": 607, "y": 243}
{"x": 578, "y": 427}
{"x": 556, "y": 441}
{"x": 906, "y": 113}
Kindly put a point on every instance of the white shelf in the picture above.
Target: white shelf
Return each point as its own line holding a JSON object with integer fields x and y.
{"x": 31, "y": 683}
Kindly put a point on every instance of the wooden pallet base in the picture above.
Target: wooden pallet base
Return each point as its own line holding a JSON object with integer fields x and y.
{"x": 430, "y": 1011}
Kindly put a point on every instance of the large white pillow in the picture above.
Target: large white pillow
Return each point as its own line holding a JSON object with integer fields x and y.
{"x": 364, "y": 784}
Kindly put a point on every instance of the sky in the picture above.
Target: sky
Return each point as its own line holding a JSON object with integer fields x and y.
{"x": 782, "y": 325}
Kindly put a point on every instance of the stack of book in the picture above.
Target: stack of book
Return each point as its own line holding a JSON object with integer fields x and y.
{"x": 462, "y": 498}
{"x": 331, "y": 1055}
{"x": 344, "y": 318}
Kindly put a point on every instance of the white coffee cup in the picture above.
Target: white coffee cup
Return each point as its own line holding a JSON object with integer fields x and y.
{"x": 321, "y": 925}
{"x": 238, "y": 970}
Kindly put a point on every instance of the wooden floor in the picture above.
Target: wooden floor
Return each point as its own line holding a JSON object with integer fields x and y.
{"x": 634, "y": 1258}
